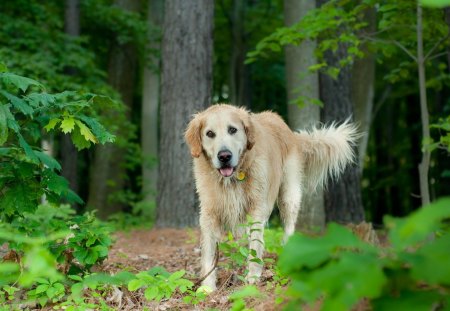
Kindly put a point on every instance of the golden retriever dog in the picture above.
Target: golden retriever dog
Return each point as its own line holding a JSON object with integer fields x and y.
{"x": 245, "y": 162}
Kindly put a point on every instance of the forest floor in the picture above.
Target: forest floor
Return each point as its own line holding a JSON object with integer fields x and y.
{"x": 173, "y": 249}
{"x": 176, "y": 249}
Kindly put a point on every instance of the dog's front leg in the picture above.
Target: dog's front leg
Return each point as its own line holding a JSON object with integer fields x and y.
{"x": 256, "y": 244}
{"x": 210, "y": 238}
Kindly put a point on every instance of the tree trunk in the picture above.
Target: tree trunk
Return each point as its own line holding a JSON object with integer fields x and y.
{"x": 425, "y": 163}
{"x": 186, "y": 88}
{"x": 239, "y": 94}
{"x": 150, "y": 101}
{"x": 301, "y": 82}
{"x": 343, "y": 201}
{"x": 363, "y": 85}
{"x": 108, "y": 172}
{"x": 69, "y": 154}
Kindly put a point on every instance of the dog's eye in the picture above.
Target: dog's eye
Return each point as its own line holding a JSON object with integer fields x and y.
{"x": 210, "y": 134}
{"x": 232, "y": 130}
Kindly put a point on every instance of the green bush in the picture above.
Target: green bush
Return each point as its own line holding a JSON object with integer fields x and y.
{"x": 42, "y": 235}
{"x": 411, "y": 273}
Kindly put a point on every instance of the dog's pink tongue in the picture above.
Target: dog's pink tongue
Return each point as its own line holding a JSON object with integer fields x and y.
{"x": 226, "y": 171}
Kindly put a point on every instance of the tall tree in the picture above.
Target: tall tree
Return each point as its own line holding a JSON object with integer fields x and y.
{"x": 239, "y": 93}
{"x": 69, "y": 154}
{"x": 300, "y": 83}
{"x": 343, "y": 201}
{"x": 363, "y": 87}
{"x": 150, "y": 103}
{"x": 108, "y": 170}
{"x": 186, "y": 88}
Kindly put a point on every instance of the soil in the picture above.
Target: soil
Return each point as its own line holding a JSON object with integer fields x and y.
{"x": 176, "y": 249}
{"x": 173, "y": 249}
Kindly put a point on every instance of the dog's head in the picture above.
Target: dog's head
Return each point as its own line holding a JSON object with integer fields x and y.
{"x": 223, "y": 133}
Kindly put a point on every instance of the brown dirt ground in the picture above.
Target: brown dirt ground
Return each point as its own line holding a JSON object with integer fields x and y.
{"x": 176, "y": 249}
{"x": 173, "y": 249}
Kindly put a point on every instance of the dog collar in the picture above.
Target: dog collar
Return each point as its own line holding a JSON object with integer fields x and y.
{"x": 240, "y": 176}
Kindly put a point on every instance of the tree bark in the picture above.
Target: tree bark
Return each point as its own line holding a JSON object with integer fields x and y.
{"x": 425, "y": 163}
{"x": 363, "y": 85}
{"x": 343, "y": 201}
{"x": 239, "y": 93}
{"x": 150, "y": 103}
{"x": 301, "y": 82}
{"x": 108, "y": 172}
{"x": 186, "y": 88}
{"x": 69, "y": 154}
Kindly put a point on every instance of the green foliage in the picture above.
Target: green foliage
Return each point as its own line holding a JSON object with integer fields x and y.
{"x": 239, "y": 297}
{"x": 28, "y": 172}
{"x": 411, "y": 272}
{"x": 237, "y": 251}
{"x": 159, "y": 283}
{"x": 435, "y": 3}
{"x": 41, "y": 236}
{"x": 444, "y": 135}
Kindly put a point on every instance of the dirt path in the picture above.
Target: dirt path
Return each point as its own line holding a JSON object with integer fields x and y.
{"x": 173, "y": 249}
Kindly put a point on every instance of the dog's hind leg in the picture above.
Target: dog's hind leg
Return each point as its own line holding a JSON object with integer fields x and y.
{"x": 290, "y": 196}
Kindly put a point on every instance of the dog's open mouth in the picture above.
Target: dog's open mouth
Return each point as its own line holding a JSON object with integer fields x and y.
{"x": 226, "y": 171}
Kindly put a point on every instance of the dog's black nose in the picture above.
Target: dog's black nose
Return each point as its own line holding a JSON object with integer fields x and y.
{"x": 224, "y": 156}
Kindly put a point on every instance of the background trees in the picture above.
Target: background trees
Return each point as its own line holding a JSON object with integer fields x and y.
{"x": 369, "y": 46}
{"x": 186, "y": 88}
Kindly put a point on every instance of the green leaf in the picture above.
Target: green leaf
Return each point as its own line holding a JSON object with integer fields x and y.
{"x": 67, "y": 124}
{"x": 51, "y": 124}
{"x": 246, "y": 292}
{"x": 135, "y": 284}
{"x": 78, "y": 140}
{"x": 407, "y": 300}
{"x": 3, "y": 68}
{"x": 176, "y": 275}
{"x": 40, "y": 99}
{"x": 86, "y": 132}
{"x": 435, "y": 3}
{"x": 418, "y": 225}
{"x": 55, "y": 183}
{"x": 432, "y": 262}
{"x": 18, "y": 103}
{"x": 91, "y": 257}
{"x": 28, "y": 151}
{"x": 22, "y": 83}
{"x": 49, "y": 161}
{"x": 99, "y": 131}
{"x": 18, "y": 198}
{"x": 151, "y": 292}
{"x": 41, "y": 288}
{"x": 308, "y": 252}
{"x": 3, "y": 124}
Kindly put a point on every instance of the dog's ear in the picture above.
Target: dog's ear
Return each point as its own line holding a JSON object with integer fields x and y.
{"x": 249, "y": 131}
{"x": 193, "y": 135}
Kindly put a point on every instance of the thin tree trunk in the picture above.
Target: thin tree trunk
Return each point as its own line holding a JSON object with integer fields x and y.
{"x": 186, "y": 88}
{"x": 69, "y": 154}
{"x": 108, "y": 172}
{"x": 300, "y": 82}
{"x": 150, "y": 103}
{"x": 425, "y": 163}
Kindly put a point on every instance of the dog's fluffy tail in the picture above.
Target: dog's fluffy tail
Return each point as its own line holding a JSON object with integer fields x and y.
{"x": 326, "y": 152}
